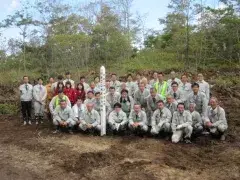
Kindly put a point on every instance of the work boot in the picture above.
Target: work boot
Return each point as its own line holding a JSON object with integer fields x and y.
{"x": 29, "y": 122}
{"x": 24, "y": 123}
{"x": 187, "y": 141}
{"x": 222, "y": 138}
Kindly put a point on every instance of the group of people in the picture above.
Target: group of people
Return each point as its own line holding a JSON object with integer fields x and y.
{"x": 174, "y": 108}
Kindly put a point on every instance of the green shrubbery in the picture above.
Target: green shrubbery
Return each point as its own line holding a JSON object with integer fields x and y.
{"x": 8, "y": 109}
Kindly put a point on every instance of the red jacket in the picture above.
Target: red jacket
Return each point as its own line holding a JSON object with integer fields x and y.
{"x": 69, "y": 92}
{"x": 79, "y": 93}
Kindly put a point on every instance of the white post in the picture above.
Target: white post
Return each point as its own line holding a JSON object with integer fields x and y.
{"x": 103, "y": 100}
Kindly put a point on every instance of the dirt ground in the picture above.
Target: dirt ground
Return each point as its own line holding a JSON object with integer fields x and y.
{"x": 35, "y": 153}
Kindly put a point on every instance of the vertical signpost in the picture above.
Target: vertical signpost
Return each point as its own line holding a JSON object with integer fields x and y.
{"x": 103, "y": 100}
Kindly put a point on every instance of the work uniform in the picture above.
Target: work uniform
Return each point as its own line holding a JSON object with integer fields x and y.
{"x": 186, "y": 89}
{"x": 152, "y": 82}
{"x": 78, "y": 111}
{"x": 112, "y": 98}
{"x": 63, "y": 115}
{"x": 92, "y": 118}
{"x": 56, "y": 102}
{"x": 118, "y": 120}
{"x": 127, "y": 104}
{"x": 204, "y": 87}
{"x": 116, "y": 84}
{"x": 140, "y": 118}
{"x": 218, "y": 119}
{"x": 39, "y": 95}
{"x": 141, "y": 97}
{"x": 161, "y": 120}
{"x": 171, "y": 106}
{"x": 177, "y": 96}
{"x": 26, "y": 96}
{"x": 152, "y": 106}
{"x": 97, "y": 107}
{"x": 181, "y": 125}
{"x": 86, "y": 86}
{"x": 70, "y": 80}
{"x": 197, "y": 122}
{"x": 200, "y": 101}
{"x": 161, "y": 88}
{"x": 132, "y": 87}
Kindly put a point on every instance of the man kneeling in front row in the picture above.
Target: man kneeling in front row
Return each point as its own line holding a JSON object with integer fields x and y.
{"x": 63, "y": 117}
{"x": 90, "y": 121}
{"x": 181, "y": 124}
{"x": 138, "y": 119}
{"x": 118, "y": 119}
{"x": 161, "y": 119}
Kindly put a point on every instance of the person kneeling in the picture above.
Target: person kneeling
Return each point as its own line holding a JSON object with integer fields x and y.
{"x": 117, "y": 119}
{"x": 197, "y": 122}
{"x": 161, "y": 119}
{"x": 181, "y": 124}
{"x": 216, "y": 121}
{"x": 90, "y": 120}
{"x": 138, "y": 119}
{"x": 63, "y": 117}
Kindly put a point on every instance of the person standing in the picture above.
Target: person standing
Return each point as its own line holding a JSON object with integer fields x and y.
{"x": 26, "y": 96}
{"x": 39, "y": 95}
{"x": 49, "y": 95}
{"x": 203, "y": 86}
{"x": 68, "y": 79}
{"x": 161, "y": 86}
{"x": 115, "y": 83}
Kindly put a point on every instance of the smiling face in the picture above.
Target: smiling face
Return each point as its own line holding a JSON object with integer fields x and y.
{"x": 200, "y": 77}
{"x": 124, "y": 95}
{"x": 191, "y": 107}
{"x": 89, "y": 107}
{"x": 137, "y": 108}
{"x": 180, "y": 108}
{"x": 184, "y": 78}
{"x": 213, "y": 103}
{"x": 160, "y": 105}
{"x": 155, "y": 75}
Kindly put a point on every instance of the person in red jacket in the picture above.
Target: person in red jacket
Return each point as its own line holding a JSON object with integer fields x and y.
{"x": 69, "y": 92}
{"x": 80, "y": 92}
{"x": 60, "y": 86}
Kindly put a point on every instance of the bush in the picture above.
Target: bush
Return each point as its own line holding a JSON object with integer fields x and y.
{"x": 8, "y": 109}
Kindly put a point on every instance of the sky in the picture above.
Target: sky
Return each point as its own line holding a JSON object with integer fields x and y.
{"x": 151, "y": 9}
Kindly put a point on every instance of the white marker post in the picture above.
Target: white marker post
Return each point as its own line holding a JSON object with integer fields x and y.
{"x": 103, "y": 100}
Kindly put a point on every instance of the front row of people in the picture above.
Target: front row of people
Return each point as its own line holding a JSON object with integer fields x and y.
{"x": 180, "y": 125}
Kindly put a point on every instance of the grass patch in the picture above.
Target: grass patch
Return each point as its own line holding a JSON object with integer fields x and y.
{"x": 227, "y": 81}
{"x": 9, "y": 109}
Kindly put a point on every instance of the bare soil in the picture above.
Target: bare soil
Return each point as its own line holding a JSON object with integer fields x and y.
{"x": 35, "y": 153}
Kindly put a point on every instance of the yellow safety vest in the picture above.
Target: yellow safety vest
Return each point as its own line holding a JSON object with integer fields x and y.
{"x": 163, "y": 90}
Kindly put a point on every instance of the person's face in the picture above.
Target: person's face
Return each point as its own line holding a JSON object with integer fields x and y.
{"x": 63, "y": 105}
{"x": 160, "y": 105}
{"x": 180, "y": 108}
{"x": 97, "y": 97}
{"x": 184, "y": 79}
{"x": 174, "y": 87}
{"x": 153, "y": 93}
{"x": 80, "y": 86}
{"x": 79, "y": 102}
{"x": 90, "y": 95}
{"x": 114, "y": 77}
{"x": 112, "y": 91}
{"x": 124, "y": 95}
{"x": 40, "y": 81}
{"x": 169, "y": 100}
{"x": 213, "y": 103}
{"x": 137, "y": 108}
{"x": 97, "y": 79}
{"x": 200, "y": 77}
{"x": 60, "y": 85}
{"x": 195, "y": 89}
{"x": 68, "y": 85}
{"x": 92, "y": 85}
{"x": 60, "y": 95}
{"x": 25, "y": 80}
{"x": 155, "y": 75}
{"x": 173, "y": 75}
{"x": 129, "y": 78}
{"x": 138, "y": 76}
{"x": 107, "y": 84}
{"x": 160, "y": 77}
{"x": 117, "y": 109}
{"x": 51, "y": 80}
{"x": 141, "y": 87}
{"x": 82, "y": 80}
{"x": 191, "y": 107}
{"x": 68, "y": 76}
{"x": 89, "y": 107}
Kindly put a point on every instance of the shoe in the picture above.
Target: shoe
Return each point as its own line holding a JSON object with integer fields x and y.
{"x": 41, "y": 122}
{"x": 205, "y": 133}
{"x": 56, "y": 131}
{"x": 36, "y": 122}
{"x": 24, "y": 123}
{"x": 187, "y": 141}
{"x": 70, "y": 132}
{"x": 223, "y": 138}
{"x": 29, "y": 122}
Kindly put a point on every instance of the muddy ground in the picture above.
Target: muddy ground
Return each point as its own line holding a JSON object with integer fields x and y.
{"x": 35, "y": 153}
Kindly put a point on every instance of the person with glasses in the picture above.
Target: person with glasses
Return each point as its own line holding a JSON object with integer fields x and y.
{"x": 26, "y": 96}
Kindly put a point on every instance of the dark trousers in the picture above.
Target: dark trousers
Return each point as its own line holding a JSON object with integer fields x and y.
{"x": 26, "y": 109}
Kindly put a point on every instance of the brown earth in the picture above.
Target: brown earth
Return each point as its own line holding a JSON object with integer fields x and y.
{"x": 35, "y": 153}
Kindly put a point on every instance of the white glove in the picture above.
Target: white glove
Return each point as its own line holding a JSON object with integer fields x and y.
{"x": 179, "y": 127}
